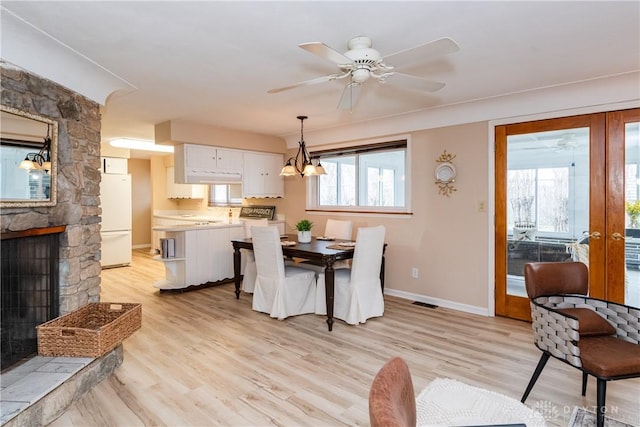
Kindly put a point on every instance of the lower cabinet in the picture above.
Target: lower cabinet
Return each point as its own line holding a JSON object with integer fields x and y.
{"x": 202, "y": 255}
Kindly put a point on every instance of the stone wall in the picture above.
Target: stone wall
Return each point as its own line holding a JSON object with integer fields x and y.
{"x": 78, "y": 181}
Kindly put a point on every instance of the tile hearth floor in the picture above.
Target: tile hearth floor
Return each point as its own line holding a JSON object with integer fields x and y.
{"x": 25, "y": 384}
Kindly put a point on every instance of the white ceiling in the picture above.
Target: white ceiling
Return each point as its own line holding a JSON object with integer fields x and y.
{"x": 213, "y": 62}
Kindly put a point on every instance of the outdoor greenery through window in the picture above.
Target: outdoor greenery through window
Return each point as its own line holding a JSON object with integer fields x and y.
{"x": 368, "y": 178}
{"x": 540, "y": 198}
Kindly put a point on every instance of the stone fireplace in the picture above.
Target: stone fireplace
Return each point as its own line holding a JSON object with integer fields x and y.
{"x": 78, "y": 185}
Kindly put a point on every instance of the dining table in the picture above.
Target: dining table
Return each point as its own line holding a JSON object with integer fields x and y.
{"x": 321, "y": 252}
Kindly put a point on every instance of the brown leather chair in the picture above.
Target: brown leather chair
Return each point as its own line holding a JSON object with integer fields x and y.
{"x": 392, "y": 402}
{"x": 599, "y": 337}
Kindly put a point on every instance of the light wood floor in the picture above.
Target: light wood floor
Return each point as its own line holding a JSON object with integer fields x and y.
{"x": 204, "y": 358}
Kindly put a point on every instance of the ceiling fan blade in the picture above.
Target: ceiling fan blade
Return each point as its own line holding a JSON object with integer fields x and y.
{"x": 441, "y": 46}
{"x": 349, "y": 96}
{"x": 310, "y": 82}
{"x": 412, "y": 82}
{"x": 326, "y": 52}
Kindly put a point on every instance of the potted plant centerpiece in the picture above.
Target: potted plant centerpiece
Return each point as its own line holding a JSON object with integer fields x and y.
{"x": 304, "y": 230}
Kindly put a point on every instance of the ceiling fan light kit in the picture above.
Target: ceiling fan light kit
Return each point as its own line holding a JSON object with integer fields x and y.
{"x": 361, "y": 63}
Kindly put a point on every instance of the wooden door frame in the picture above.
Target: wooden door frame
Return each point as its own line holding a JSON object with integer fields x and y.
{"x": 518, "y": 307}
{"x": 615, "y": 155}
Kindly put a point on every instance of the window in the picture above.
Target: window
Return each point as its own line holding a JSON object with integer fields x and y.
{"x": 539, "y": 197}
{"x": 225, "y": 194}
{"x": 367, "y": 178}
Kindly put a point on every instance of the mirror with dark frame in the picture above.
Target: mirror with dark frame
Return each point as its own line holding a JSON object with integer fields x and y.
{"x": 28, "y": 159}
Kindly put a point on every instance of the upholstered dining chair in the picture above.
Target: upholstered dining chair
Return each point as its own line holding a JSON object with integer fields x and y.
{"x": 357, "y": 291}
{"x": 280, "y": 291}
{"x": 249, "y": 276}
{"x": 601, "y": 338}
{"x": 392, "y": 401}
{"x": 340, "y": 229}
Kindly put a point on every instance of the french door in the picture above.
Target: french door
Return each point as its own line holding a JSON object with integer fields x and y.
{"x": 562, "y": 186}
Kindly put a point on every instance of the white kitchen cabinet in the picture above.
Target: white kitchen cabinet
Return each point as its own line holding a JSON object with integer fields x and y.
{"x": 182, "y": 191}
{"x": 261, "y": 177}
{"x": 205, "y": 164}
{"x": 203, "y": 254}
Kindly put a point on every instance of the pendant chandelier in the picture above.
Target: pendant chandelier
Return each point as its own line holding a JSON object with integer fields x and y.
{"x": 301, "y": 164}
{"x": 40, "y": 161}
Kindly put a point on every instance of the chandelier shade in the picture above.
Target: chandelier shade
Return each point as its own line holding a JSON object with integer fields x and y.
{"x": 301, "y": 163}
{"x": 40, "y": 161}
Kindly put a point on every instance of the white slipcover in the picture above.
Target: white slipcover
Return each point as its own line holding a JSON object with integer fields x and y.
{"x": 249, "y": 279}
{"x": 279, "y": 291}
{"x": 357, "y": 292}
{"x": 338, "y": 229}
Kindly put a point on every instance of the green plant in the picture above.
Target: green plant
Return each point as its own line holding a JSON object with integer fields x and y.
{"x": 633, "y": 209}
{"x": 304, "y": 225}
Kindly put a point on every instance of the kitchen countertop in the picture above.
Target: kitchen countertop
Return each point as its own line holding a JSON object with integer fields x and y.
{"x": 197, "y": 226}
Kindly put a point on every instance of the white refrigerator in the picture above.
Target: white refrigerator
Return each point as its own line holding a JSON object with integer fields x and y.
{"x": 115, "y": 196}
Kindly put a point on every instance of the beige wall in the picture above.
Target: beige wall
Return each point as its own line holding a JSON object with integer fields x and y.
{"x": 446, "y": 238}
{"x": 181, "y": 131}
{"x": 140, "y": 170}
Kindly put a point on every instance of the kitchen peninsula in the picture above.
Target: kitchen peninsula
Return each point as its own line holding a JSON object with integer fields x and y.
{"x": 203, "y": 253}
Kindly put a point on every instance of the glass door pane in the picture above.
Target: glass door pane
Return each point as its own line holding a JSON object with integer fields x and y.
{"x": 632, "y": 210}
{"x": 547, "y": 200}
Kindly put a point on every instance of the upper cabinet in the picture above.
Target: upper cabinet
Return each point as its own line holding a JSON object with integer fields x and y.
{"x": 182, "y": 191}
{"x": 258, "y": 172}
{"x": 261, "y": 177}
{"x": 201, "y": 164}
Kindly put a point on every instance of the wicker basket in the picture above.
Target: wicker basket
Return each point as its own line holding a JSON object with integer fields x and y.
{"x": 90, "y": 331}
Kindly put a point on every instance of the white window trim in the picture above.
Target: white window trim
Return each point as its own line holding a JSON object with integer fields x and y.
{"x": 376, "y": 211}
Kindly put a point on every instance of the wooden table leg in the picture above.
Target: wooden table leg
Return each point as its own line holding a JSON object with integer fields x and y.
{"x": 236, "y": 269}
{"x": 329, "y": 278}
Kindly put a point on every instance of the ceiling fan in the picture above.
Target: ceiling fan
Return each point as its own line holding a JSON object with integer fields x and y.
{"x": 556, "y": 141}
{"x": 361, "y": 63}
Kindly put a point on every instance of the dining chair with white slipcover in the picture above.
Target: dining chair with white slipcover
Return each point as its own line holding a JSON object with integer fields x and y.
{"x": 339, "y": 229}
{"x": 357, "y": 291}
{"x": 280, "y": 291}
{"x": 249, "y": 277}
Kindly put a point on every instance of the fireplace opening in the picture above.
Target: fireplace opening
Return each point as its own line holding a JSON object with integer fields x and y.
{"x": 28, "y": 290}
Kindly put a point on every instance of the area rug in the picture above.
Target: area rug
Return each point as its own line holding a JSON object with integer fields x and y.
{"x": 447, "y": 402}
{"x": 583, "y": 418}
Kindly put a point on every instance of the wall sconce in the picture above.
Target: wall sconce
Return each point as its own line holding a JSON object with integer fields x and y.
{"x": 41, "y": 160}
{"x": 445, "y": 174}
{"x": 302, "y": 161}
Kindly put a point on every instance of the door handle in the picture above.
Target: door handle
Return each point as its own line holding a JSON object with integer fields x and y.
{"x": 617, "y": 236}
{"x": 595, "y": 235}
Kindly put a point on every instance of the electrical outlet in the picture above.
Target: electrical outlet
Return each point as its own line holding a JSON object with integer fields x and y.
{"x": 482, "y": 206}
{"x": 414, "y": 273}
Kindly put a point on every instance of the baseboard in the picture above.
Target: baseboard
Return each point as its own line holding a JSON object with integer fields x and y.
{"x": 141, "y": 246}
{"x": 482, "y": 311}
